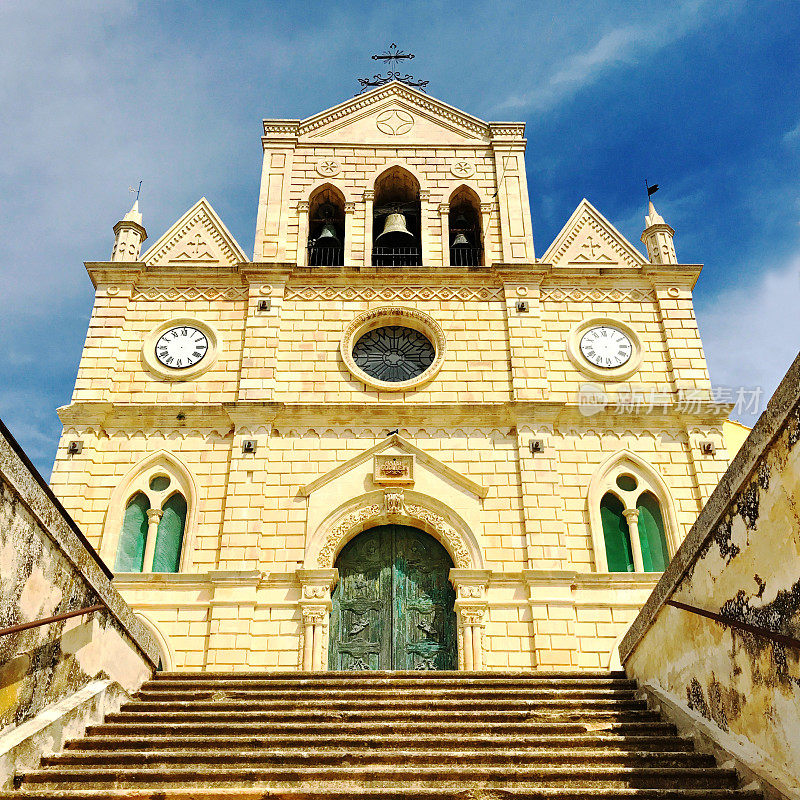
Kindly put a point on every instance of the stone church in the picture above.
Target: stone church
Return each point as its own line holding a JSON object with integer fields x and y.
{"x": 395, "y": 438}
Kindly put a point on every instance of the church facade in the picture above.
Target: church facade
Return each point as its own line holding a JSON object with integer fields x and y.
{"x": 394, "y": 438}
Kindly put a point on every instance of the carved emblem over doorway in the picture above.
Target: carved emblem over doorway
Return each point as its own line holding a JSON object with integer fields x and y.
{"x": 393, "y": 470}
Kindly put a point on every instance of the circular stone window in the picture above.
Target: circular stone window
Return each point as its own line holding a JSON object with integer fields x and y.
{"x": 394, "y": 353}
{"x": 393, "y": 349}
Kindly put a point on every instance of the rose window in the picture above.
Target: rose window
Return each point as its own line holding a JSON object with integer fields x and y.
{"x": 394, "y": 353}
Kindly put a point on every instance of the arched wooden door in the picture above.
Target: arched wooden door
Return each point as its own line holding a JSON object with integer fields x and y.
{"x": 393, "y": 605}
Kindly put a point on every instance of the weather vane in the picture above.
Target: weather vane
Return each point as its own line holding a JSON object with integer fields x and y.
{"x": 393, "y": 56}
{"x": 132, "y": 190}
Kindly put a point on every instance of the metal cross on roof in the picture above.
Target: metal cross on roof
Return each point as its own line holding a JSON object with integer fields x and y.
{"x": 393, "y": 56}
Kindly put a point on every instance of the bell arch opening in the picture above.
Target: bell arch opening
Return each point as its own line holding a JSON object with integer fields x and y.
{"x": 326, "y": 227}
{"x": 396, "y": 224}
{"x": 465, "y": 229}
{"x": 393, "y": 607}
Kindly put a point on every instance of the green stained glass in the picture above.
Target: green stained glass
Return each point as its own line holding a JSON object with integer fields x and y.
{"x": 130, "y": 551}
{"x": 616, "y": 534}
{"x": 655, "y": 555}
{"x": 169, "y": 538}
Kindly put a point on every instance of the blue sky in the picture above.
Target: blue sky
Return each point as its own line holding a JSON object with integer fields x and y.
{"x": 701, "y": 97}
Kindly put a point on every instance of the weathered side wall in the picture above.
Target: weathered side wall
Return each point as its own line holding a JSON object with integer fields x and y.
{"x": 46, "y": 570}
{"x": 741, "y": 560}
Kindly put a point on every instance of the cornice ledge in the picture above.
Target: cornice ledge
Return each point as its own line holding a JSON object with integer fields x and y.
{"x": 114, "y": 271}
{"x": 259, "y": 270}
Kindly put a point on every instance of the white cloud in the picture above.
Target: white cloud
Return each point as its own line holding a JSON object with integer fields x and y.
{"x": 752, "y": 334}
{"x": 623, "y": 44}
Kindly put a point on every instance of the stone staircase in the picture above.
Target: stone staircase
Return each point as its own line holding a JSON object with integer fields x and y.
{"x": 562, "y": 736}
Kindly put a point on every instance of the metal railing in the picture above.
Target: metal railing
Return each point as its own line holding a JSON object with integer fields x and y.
{"x": 396, "y": 257}
{"x": 47, "y": 620}
{"x": 325, "y": 256}
{"x": 466, "y": 256}
{"x": 765, "y": 633}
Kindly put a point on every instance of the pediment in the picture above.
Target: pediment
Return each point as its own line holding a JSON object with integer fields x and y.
{"x": 590, "y": 240}
{"x": 198, "y": 238}
{"x": 362, "y": 464}
{"x": 393, "y": 114}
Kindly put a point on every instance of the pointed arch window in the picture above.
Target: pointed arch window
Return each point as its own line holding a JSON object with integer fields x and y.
{"x": 616, "y": 534}
{"x": 169, "y": 537}
{"x": 632, "y": 517}
{"x": 130, "y": 551}
{"x": 151, "y": 520}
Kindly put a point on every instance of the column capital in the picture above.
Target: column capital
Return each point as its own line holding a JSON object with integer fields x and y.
{"x": 444, "y": 208}
{"x": 154, "y": 514}
{"x": 303, "y": 206}
{"x": 631, "y": 515}
{"x": 350, "y": 208}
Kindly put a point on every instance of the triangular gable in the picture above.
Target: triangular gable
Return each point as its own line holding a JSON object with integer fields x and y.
{"x": 590, "y": 240}
{"x": 370, "y": 115}
{"x": 406, "y": 447}
{"x": 199, "y": 238}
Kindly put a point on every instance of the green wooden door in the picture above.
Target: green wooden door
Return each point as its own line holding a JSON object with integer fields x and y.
{"x": 393, "y": 605}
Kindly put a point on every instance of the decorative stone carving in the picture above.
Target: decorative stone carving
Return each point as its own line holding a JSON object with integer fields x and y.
{"x": 315, "y": 615}
{"x": 394, "y": 293}
{"x": 393, "y": 501}
{"x": 312, "y": 592}
{"x": 336, "y": 534}
{"x": 329, "y": 167}
{"x": 394, "y": 122}
{"x": 447, "y": 534}
{"x": 470, "y": 591}
{"x": 359, "y": 519}
{"x": 471, "y": 616}
{"x": 389, "y": 470}
{"x": 462, "y": 168}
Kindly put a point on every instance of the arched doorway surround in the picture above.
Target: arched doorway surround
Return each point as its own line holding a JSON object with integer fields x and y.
{"x": 386, "y": 507}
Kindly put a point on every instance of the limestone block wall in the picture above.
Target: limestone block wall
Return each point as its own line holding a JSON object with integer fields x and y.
{"x": 741, "y": 560}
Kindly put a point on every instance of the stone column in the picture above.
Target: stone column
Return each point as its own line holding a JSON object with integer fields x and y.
{"x": 315, "y": 608}
{"x": 302, "y": 233}
{"x": 153, "y": 518}
{"x": 444, "y": 220}
{"x": 632, "y": 516}
{"x": 367, "y": 199}
{"x": 425, "y": 225}
{"x": 349, "y": 211}
{"x": 470, "y": 605}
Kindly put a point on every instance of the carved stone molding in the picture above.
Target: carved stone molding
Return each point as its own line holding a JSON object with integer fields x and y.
{"x": 394, "y": 293}
{"x": 595, "y": 294}
{"x": 393, "y": 501}
{"x": 213, "y": 293}
{"x": 356, "y": 521}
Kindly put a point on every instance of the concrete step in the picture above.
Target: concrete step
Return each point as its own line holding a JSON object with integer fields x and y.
{"x": 383, "y": 683}
{"x": 407, "y": 704}
{"x": 311, "y": 726}
{"x": 394, "y": 675}
{"x": 363, "y": 758}
{"x": 354, "y": 792}
{"x": 442, "y": 741}
{"x": 280, "y": 778}
{"x": 383, "y": 693}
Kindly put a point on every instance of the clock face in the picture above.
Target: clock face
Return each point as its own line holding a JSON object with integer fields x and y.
{"x": 181, "y": 347}
{"x": 606, "y": 347}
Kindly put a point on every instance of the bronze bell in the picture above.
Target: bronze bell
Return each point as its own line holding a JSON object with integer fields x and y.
{"x": 327, "y": 237}
{"x": 460, "y": 241}
{"x": 395, "y": 223}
